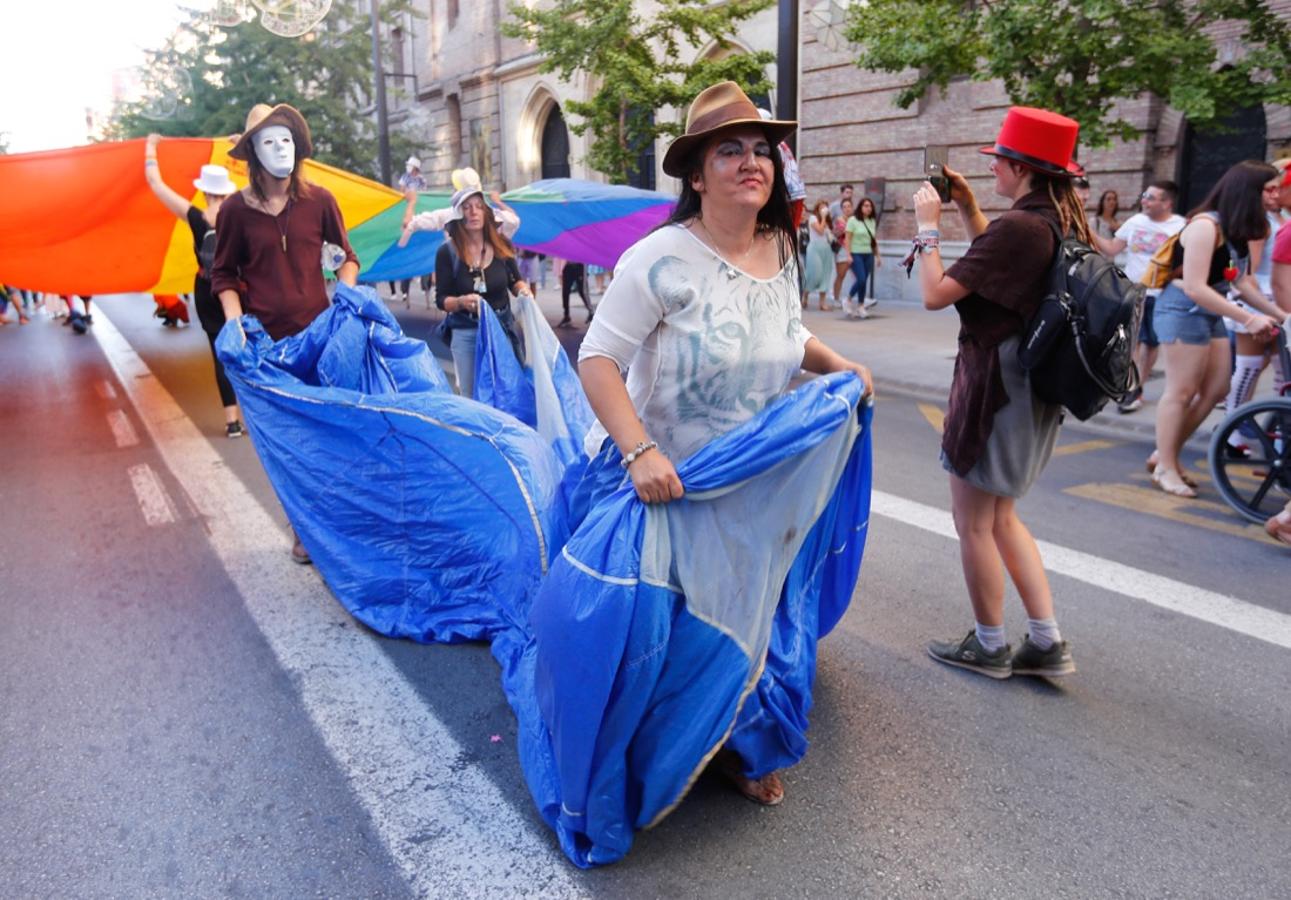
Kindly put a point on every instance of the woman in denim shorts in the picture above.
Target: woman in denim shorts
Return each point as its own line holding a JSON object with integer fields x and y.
{"x": 1211, "y": 255}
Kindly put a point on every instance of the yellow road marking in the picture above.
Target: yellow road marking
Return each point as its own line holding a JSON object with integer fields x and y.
{"x": 936, "y": 418}
{"x": 1175, "y": 509}
{"x": 1082, "y": 447}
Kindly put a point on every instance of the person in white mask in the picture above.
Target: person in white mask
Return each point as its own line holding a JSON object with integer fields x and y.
{"x": 270, "y": 235}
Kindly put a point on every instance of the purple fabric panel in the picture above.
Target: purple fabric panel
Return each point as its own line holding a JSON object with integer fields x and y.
{"x": 602, "y": 243}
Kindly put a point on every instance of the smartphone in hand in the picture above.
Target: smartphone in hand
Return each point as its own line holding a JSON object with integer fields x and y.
{"x": 935, "y": 157}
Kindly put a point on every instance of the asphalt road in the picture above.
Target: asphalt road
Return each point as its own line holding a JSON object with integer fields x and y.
{"x": 157, "y": 739}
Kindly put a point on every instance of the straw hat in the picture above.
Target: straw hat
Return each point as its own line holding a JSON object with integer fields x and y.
{"x": 723, "y": 105}
{"x": 263, "y": 115}
{"x": 215, "y": 180}
{"x": 1038, "y": 139}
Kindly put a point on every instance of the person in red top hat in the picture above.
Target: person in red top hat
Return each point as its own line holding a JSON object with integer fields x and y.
{"x": 998, "y": 436}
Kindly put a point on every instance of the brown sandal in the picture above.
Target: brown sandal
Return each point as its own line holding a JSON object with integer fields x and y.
{"x": 765, "y": 791}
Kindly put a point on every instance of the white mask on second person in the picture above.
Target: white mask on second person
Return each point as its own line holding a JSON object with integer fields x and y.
{"x": 276, "y": 150}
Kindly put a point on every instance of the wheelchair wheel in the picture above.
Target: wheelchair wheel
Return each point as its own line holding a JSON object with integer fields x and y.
{"x": 1257, "y": 486}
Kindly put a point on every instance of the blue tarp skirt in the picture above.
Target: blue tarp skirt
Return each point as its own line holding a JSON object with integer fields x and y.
{"x": 634, "y": 641}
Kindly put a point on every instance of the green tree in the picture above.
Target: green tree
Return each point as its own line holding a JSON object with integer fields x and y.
{"x": 1078, "y": 57}
{"x": 634, "y": 61}
{"x": 326, "y": 74}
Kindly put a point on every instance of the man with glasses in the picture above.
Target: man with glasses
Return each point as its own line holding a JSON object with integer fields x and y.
{"x": 1140, "y": 237}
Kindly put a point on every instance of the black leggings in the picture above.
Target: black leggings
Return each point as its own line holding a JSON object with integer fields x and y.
{"x": 227, "y": 397}
{"x": 573, "y": 277}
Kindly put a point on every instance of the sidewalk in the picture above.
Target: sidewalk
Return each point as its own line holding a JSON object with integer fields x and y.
{"x": 908, "y": 349}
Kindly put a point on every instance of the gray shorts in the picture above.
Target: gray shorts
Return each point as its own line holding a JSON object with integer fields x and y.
{"x": 1022, "y": 437}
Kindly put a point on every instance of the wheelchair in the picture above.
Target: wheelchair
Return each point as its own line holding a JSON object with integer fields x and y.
{"x": 1256, "y": 484}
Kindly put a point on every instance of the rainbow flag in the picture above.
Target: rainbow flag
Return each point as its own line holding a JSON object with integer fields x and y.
{"x": 84, "y": 221}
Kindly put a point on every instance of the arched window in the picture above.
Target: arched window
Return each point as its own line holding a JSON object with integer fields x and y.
{"x": 555, "y": 145}
{"x": 454, "y": 107}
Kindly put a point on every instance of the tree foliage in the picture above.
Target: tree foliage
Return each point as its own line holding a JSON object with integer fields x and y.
{"x": 1078, "y": 57}
{"x": 634, "y": 61}
{"x": 326, "y": 74}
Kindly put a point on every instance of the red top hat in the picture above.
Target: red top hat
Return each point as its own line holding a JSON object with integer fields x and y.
{"x": 1039, "y": 139}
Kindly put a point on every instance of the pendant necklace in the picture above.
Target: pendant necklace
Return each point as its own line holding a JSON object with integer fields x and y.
{"x": 734, "y": 268}
{"x": 282, "y": 228}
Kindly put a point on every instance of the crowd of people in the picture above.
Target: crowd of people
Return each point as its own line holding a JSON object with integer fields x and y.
{"x": 701, "y": 327}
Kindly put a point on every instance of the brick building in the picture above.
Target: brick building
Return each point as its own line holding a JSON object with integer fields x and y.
{"x": 477, "y": 98}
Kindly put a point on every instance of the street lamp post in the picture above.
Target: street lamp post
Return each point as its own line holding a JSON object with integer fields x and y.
{"x": 787, "y": 66}
{"x": 378, "y": 73}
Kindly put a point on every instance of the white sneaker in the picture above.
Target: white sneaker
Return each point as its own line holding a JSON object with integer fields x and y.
{"x": 871, "y": 301}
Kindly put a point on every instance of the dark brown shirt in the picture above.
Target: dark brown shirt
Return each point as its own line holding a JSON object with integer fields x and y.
{"x": 283, "y": 288}
{"x": 1006, "y": 269}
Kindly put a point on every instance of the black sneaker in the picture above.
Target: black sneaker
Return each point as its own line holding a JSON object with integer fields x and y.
{"x": 968, "y": 654}
{"x": 1052, "y": 663}
{"x": 564, "y": 323}
{"x": 234, "y": 430}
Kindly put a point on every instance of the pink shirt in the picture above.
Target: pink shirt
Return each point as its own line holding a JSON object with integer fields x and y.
{"x": 1282, "y": 245}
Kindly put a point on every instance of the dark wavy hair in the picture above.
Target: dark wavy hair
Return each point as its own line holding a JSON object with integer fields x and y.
{"x": 1237, "y": 198}
{"x": 856, "y": 208}
{"x": 776, "y": 216}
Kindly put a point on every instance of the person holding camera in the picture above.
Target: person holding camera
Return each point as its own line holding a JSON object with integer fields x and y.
{"x": 998, "y": 436}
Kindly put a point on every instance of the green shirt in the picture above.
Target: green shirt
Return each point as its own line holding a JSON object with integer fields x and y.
{"x": 860, "y": 233}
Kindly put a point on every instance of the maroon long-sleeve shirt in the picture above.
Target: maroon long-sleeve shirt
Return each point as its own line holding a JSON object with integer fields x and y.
{"x": 275, "y": 262}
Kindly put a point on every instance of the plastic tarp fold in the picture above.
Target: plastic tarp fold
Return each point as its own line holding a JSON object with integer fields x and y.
{"x": 630, "y": 651}
{"x": 429, "y": 516}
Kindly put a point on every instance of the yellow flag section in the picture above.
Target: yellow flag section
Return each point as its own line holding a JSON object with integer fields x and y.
{"x": 84, "y": 221}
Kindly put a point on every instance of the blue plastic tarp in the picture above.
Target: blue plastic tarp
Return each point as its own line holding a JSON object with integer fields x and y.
{"x": 634, "y": 640}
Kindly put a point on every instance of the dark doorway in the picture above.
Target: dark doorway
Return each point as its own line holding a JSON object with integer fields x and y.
{"x": 1209, "y": 154}
{"x": 555, "y": 146}
{"x": 642, "y": 174}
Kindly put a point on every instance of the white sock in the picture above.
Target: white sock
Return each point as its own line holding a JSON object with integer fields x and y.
{"x": 991, "y": 637}
{"x": 1245, "y": 375}
{"x": 1044, "y": 632}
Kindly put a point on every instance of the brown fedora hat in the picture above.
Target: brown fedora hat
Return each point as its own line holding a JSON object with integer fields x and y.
{"x": 721, "y": 106}
{"x": 263, "y": 115}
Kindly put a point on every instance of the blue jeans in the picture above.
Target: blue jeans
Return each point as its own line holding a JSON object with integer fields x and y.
{"x": 463, "y": 349}
{"x": 861, "y": 264}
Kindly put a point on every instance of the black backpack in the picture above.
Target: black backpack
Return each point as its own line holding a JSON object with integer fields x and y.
{"x": 1078, "y": 348}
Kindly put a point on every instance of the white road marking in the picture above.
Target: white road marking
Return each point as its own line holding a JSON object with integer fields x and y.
{"x": 106, "y": 390}
{"x": 445, "y": 824}
{"x": 1207, "y": 606}
{"x": 122, "y": 431}
{"x": 151, "y": 494}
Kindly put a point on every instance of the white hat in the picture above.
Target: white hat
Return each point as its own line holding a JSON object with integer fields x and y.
{"x": 413, "y": 162}
{"x": 459, "y": 200}
{"x": 215, "y": 180}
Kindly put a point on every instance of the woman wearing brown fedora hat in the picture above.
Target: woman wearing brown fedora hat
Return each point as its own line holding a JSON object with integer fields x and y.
{"x": 704, "y": 315}
{"x": 269, "y": 236}
{"x": 997, "y": 436}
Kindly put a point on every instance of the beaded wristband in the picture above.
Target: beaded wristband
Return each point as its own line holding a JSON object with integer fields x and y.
{"x": 636, "y": 452}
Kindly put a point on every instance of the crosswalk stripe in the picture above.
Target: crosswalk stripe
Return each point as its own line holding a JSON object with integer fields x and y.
{"x": 122, "y": 431}
{"x": 154, "y": 502}
{"x": 1105, "y": 574}
{"x": 444, "y": 823}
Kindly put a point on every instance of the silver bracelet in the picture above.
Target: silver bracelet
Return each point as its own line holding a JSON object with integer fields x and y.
{"x": 641, "y": 447}
{"x": 149, "y": 161}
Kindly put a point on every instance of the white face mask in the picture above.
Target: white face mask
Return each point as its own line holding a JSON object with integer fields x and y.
{"x": 276, "y": 150}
